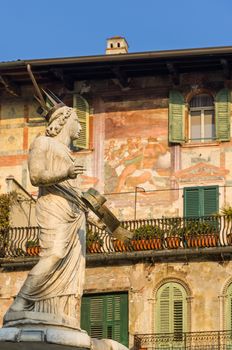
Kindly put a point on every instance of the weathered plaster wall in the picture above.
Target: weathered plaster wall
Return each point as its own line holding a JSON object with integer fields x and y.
{"x": 205, "y": 284}
{"x": 143, "y": 280}
{"x": 19, "y": 125}
{"x": 129, "y": 145}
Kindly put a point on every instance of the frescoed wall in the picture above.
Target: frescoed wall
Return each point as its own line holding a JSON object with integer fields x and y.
{"x": 130, "y": 159}
{"x": 136, "y": 149}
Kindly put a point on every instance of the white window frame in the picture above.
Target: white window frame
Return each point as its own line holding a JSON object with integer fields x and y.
{"x": 202, "y": 116}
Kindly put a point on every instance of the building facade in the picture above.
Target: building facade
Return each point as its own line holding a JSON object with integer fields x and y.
{"x": 156, "y": 140}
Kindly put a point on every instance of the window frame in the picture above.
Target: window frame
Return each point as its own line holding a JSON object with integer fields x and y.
{"x": 178, "y": 116}
{"x": 228, "y": 308}
{"x": 171, "y": 322}
{"x": 202, "y": 139}
{"x": 117, "y": 323}
{"x": 201, "y": 202}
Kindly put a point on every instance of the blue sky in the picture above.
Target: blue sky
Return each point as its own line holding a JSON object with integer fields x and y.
{"x": 62, "y": 28}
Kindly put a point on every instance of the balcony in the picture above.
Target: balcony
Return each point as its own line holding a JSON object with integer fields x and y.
{"x": 216, "y": 340}
{"x": 172, "y": 238}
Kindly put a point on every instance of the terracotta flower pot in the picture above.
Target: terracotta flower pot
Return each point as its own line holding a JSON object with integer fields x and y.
{"x": 202, "y": 241}
{"x": 173, "y": 242}
{"x": 136, "y": 244}
{"x": 147, "y": 244}
{"x": 212, "y": 240}
{"x": 192, "y": 242}
{"x": 33, "y": 251}
{"x": 155, "y": 243}
{"x": 119, "y": 246}
{"x": 94, "y": 247}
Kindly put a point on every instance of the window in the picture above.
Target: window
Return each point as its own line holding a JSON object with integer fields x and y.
{"x": 203, "y": 120}
{"x": 171, "y": 309}
{"x": 106, "y": 316}
{"x": 200, "y": 201}
{"x": 82, "y": 108}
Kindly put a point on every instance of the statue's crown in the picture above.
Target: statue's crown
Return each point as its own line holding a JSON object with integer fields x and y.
{"x": 48, "y": 101}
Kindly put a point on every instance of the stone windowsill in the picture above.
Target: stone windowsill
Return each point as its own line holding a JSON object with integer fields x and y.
{"x": 201, "y": 144}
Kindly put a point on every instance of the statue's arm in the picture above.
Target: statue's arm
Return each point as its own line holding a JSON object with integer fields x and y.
{"x": 39, "y": 173}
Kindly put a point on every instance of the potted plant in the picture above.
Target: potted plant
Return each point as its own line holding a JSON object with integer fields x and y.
{"x": 122, "y": 245}
{"x": 93, "y": 242}
{"x": 147, "y": 237}
{"x": 32, "y": 247}
{"x": 173, "y": 233}
{"x": 201, "y": 233}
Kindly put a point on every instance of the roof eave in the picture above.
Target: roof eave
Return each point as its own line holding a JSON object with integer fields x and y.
{"x": 121, "y": 57}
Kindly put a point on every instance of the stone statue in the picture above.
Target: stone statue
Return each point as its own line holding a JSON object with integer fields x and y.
{"x": 55, "y": 284}
{"x": 47, "y": 308}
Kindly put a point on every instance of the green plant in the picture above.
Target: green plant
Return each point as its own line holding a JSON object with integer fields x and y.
{"x": 173, "y": 227}
{"x": 30, "y": 244}
{"x": 93, "y": 237}
{"x": 148, "y": 232}
{"x": 197, "y": 227}
{"x": 226, "y": 210}
{"x": 6, "y": 201}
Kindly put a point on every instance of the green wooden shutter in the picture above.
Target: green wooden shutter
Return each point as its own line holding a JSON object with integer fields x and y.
{"x": 223, "y": 115}
{"x": 96, "y": 317}
{"x": 178, "y": 312}
{"x": 124, "y": 319}
{"x": 201, "y": 201}
{"x": 171, "y": 309}
{"x": 164, "y": 311}
{"x": 228, "y": 313}
{"x": 191, "y": 202}
{"x": 85, "y": 314}
{"x": 82, "y": 109}
{"x": 106, "y": 316}
{"x": 210, "y": 200}
{"x": 176, "y": 117}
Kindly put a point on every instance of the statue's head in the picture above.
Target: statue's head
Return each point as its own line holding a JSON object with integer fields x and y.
{"x": 64, "y": 118}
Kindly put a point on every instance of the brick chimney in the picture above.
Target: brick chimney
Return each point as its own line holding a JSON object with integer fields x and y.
{"x": 116, "y": 45}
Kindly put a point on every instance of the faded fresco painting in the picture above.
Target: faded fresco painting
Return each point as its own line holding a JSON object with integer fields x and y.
{"x": 135, "y": 162}
{"x": 136, "y": 157}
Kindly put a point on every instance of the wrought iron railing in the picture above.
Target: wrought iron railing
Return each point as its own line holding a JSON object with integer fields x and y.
{"x": 158, "y": 234}
{"x": 215, "y": 340}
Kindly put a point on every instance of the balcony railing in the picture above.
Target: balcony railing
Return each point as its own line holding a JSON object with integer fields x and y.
{"x": 216, "y": 340}
{"x": 153, "y": 234}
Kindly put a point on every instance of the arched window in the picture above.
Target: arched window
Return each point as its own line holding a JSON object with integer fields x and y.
{"x": 208, "y": 119}
{"x": 171, "y": 310}
{"x": 228, "y": 308}
{"x": 202, "y": 119}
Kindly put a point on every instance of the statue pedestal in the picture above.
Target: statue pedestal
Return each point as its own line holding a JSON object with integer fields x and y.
{"x": 39, "y": 337}
{"x": 29, "y": 330}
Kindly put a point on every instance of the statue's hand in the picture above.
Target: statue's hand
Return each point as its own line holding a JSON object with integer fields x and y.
{"x": 75, "y": 170}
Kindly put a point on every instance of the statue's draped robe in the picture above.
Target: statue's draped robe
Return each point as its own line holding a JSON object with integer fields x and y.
{"x": 62, "y": 236}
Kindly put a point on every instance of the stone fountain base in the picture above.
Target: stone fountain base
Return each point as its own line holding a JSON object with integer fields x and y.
{"x": 38, "y": 337}
{"x": 36, "y": 331}
{"x": 28, "y": 330}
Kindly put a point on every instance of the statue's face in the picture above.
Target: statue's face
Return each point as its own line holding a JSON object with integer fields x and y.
{"x": 75, "y": 126}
